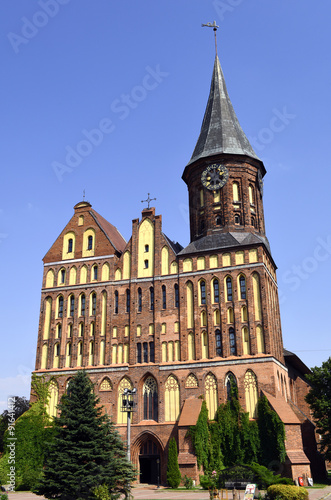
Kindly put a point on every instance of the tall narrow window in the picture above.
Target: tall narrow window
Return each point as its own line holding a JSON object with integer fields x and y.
{"x": 70, "y": 242}
{"x": 237, "y": 219}
{"x": 242, "y": 283}
{"x": 63, "y": 275}
{"x": 229, "y": 288}
{"x": 164, "y": 297}
{"x": 116, "y": 302}
{"x": 150, "y": 399}
{"x": 140, "y": 300}
{"x": 232, "y": 338}
{"x": 216, "y": 289}
{"x": 90, "y": 242}
{"x": 202, "y": 292}
{"x": 151, "y": 291}
{"x": 94, "y": 304}
{"x": 60, "y": 315}
{"x": 176, "y": 295}
{"x": 128, "y": 301}
{"x": 138, "y": 352}
{"x": 82, "y": 305}
{"x": 145, "y": 352}
{"x": 72, "y": 305}
{"x": 95, "y": 272}
{"x": 59, "y": 331}
{"x": 218, "y": 339}
{"x": 151, "y": 352}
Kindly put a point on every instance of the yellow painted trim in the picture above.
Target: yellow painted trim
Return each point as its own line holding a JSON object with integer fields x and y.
{"x": 146, "y": 240}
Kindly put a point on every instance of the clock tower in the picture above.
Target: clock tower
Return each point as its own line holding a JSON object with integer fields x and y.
{"x": 224, "y": 175}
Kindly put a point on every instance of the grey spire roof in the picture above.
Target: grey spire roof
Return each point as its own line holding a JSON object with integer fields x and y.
{"x": 220, "y": 130}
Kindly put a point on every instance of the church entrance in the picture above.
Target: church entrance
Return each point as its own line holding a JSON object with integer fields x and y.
{"x": 149, "y": 463}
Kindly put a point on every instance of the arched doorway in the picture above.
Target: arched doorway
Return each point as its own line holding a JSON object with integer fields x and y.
{"x": 150, "y": 462}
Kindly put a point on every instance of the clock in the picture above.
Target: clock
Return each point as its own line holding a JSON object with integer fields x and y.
{"x": 260, "y": 181}
{"x": 214, "y": 176}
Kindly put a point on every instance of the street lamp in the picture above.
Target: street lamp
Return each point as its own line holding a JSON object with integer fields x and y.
{"x": 158, "y": 472}
{"x": 128, "y": 405}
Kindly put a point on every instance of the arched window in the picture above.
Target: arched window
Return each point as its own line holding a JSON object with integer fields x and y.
{"x": 80, "y": 353}
{"x": 91, "y": 353}
{"x": 47, "y": 317}
{"x": 244, "y": 315}
{"x": 60, "y": 307}
{"x": 251, "y": 393}
{"x": 71, "y": 305}
{"x": 187, "y": 265}
{"x": 202, "y": 292}
{"x": 211, "y": 395}
{"x": 170, "y": 351}
{"x": 95, "y": 272}
{"x": 217, "y": 317}
{"x": 201, "y": 263}
{"x": 216, "y": 291}
{"x": 164, "y": 352}
{"x": 139, "y": 359}
{"x": 151, "y": 295}
{"x": 122, "y": 416}
{"x": 50, "y": 278}
{"x": 105, "y": 272}
{"x": 260, "y": 339}
{"x": 102, "y": 353}
{"x": 145, "y": 352}
{"x": 218, "y": 220}
{"x": 44, "y": 356}
{"x": 116, "y": 302}
{"x": 204, "y": 345}
{"x": 230, "y": 318}
{"x": 68, "y": 354}
{"x": 177, "y": 351}
{"x": 242, "y": 283}
{"x": 257, "y": 296}
{"x": 59, "y": 331}
{"x": 191, "y": 381}
{"x": 62, "y": 276}
{"x": 176, "y": 295}
{"x": 245, "y": 338}
{"x": 191, "y": 346}
{"x": 56, "y": 355}
{"x": 164, "y": 297}
{"x": 150, "y": 399}
{"x": 230, "y": 381}
{"x": 228, "y": 288}
{"x": 232, "y": 338}
{"x": 172, "y": 399}
{"x": 72, "y": 276}
{"x": 165, "y": 260}
{"x": 53, "y": 391}
{"x": 203, "y": 318}
{"x": 127, "y": 300}
{"x": 83, "y": 274}
{"x": 151, "y": 352}
{"x": 140, "y": 300}
{"x": 237, "y": 219}
{"x": 93, "y": 304}
{"x": 218, "y": 341}
{"x": 82, "y": 304}
{"x": 90, "y": 242}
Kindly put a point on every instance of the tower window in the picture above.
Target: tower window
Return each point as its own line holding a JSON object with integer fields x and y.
{"x": 146, "y": 264}
{"x": 72, "y": 305}
{"x": 202, "y": 292}
{"x": 60, "y": 307}
{"x": 229, "y": 288}
{"x": 59, "y": 331}
{"x": 94, "y": 304}
{"x": 63, "y": 275}
{"x": 116, "y": 302}
{"x": 95, "y": 272}
{"x": 253, "y": 221}
{"x": 164, "y": 297}
{"x": 151, "y": 292}
{"x": 218, "y": 339}
{"x": 90, "y": 242}
{"x": 145, "y": 352}
{"x": 237, "y": 219}
{"x": 139, "y": 352}
{"x": 218, "y": 220}
{"x": 140, "y": 300}
{"x": 232, "y": 338}
{"x": 242, "y": 283}
{"x": 216, "y": 289}
{"x": 128, "y": 301}
{"x": 70, "y": 244}
{"x": 202, "y": 226}
{"x": 146, "y": 248}
{"x": 151, "y": 352}
{"x": 176, "y": 295}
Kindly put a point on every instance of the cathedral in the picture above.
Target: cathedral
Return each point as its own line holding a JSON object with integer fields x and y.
{"x": 178, "y": 324}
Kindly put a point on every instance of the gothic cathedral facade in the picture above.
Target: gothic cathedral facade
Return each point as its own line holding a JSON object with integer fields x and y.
{"x": 177, "y": 323}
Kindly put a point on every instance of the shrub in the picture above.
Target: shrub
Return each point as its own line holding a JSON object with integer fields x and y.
{"x": 188, "y": 482}
{"x": 265, "y": 477}
{"x": 287, "y": 492}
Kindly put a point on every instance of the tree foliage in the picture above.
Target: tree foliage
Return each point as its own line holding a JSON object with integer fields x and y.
{"x": 173, "y": 472}
{"x": 86, "y": 451}
{"x": 21, "y": 405}
{"x": 200, "y": 436}
{"x": 272, "y": 434}
{"x": 319, "y": 400}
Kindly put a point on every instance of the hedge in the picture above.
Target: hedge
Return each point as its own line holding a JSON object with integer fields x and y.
{"x": 287, "y": 492}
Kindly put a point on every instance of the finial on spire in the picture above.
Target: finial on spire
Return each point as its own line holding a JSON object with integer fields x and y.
{"x": 214, "y": 26}
{"x": 148, "y": 199}
{"x": 83, "y": 194}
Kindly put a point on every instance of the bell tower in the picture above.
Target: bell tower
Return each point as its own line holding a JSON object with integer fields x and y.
{"x": 224, "y": 175}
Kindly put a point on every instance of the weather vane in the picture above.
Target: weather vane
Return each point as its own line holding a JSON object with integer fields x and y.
{"x": 214, "y": 26}
{"x": 148, "y": 200}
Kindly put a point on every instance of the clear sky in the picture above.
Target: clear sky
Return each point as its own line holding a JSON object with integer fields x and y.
{"x": 139, "y": 72}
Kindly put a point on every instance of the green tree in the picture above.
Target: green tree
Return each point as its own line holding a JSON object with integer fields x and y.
{"x": 20, "y": 406}
{"x": 319, "y": 400}
{"x": 272, "y": 434}
{"x": 200, "y": 436}
{"x": 173, "y": 472}
{"x": 86, "y": 451}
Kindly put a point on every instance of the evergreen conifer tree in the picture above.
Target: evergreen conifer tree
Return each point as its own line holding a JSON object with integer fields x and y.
{"x": 173, "y": 472}
{"x": 86, "y": 452}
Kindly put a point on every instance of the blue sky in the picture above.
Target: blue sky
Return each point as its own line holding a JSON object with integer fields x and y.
{"x": 139, "y": 72}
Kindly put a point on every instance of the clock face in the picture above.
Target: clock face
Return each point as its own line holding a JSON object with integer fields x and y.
{"x": 260, "y": 181}
{"x": 214, "y": 176}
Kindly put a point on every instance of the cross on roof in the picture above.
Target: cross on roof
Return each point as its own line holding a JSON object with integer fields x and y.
{"x": 148, "y": 200}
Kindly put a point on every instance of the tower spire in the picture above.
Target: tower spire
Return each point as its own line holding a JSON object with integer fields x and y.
{"x": 214, "y": 26}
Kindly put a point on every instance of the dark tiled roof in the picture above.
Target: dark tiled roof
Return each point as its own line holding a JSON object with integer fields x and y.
{"x": 177, "y": 247}
{"x": 224, "y": 240}
{"x": 220, "y": 130}
{"x": 112, "y": 233}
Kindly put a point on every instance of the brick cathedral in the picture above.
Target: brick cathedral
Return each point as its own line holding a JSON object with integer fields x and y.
{"x": 178, "y": 324}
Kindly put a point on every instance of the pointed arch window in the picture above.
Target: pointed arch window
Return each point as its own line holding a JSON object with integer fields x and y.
{"x": 70, "y": 245}
{"x": 151, "y": 294}
{"x": 94, "y": 304}
{"x": 176, "y": 295}
{"x": 242, "y": 283}
{"x": 216, "y": 290}
{"x": 122, "y": 416}
{"x": 228, "y": 288}
{"x": 251, "y": 393}
{"x": 127, "y": 300}
{"x": 140, "y": 300}
{"x": 232, "y": 339}
{"x": 95, "y": 272}
{"x": 53, "y": 391}
{"x": 211, "y": 394}
{"x": 62, "y": 276}
{"x": 237, "y": 219}
{"x": 164, "y": 297}
{"x": 172, "y": 399}
{"x": 150, "y": 399}
{"x": 116, "y": 302}
{"x": 218, "y": 341}
{"x": 202, "y": 292}
{"x": 82, "y": 304}
{"x": 138, "y": 352}
{"x": 60, "y": 314}
{"x": 72, "y": 305}
{"x": 230, "y": 381}
{"x": 90, "y": 242}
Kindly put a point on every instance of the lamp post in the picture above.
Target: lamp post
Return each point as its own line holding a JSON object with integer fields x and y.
{"x": 158, "y": 472}
{"x": 128, "y": 405}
